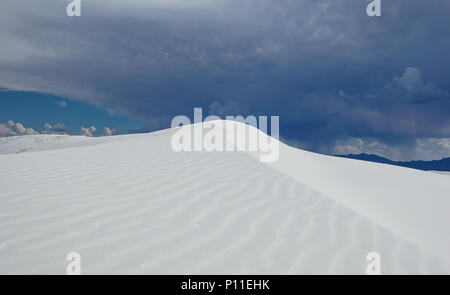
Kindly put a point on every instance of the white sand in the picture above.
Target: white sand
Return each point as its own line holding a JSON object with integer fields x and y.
{"x": 441, "y": 172}
{"x": 130, "y": 205}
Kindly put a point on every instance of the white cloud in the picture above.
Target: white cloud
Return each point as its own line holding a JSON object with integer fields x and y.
{"x": 432, "y": 148}
{"x": 108, "y": 132}
{"x": 353, "y": 146}
{"x": 421, "y": 149}
{"x": 111, "y": 111}
{"x": 55, "y": 129}
{"x": 13, "y": 129}
{"x": 62, "y": 103}
{"x": 89, "y": 132}
{"x": 341, "y": 93}
{"x": 412, "y": 83}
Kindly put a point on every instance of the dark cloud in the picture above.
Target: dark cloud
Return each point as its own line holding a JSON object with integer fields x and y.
{"x": 324, "y": 66}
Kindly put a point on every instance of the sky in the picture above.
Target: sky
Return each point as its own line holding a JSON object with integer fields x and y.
{"x": 341, "y": 81}
{"x": 34, "y": 110}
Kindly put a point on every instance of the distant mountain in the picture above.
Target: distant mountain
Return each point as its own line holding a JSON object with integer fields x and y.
{"x": 436, "y": 165}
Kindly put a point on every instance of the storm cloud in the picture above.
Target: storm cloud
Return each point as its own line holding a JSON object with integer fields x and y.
{"x": 327, "y": 69}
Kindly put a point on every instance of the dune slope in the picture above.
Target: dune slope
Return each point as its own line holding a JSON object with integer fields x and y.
{"x": 130, "y": 205}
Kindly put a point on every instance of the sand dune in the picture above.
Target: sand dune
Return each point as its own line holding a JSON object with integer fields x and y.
{"x": 130, "y": 205}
